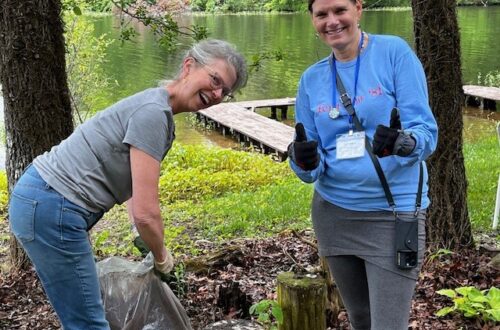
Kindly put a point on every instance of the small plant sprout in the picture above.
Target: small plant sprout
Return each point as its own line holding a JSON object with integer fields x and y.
{"x": 266, "y": 310}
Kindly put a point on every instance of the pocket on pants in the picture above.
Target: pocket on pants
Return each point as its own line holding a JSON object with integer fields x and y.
{"x": 22, "y": 217}
{"x": 74, "y": 222}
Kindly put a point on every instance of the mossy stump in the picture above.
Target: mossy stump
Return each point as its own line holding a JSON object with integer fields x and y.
{"x": 303, "y": 301}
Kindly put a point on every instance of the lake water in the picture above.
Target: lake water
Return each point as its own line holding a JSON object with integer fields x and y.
{"x": 140, "y": 64}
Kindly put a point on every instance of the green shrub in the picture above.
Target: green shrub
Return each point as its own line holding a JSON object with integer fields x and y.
{"x": 4, "y": 194}
{"x": 100, "y": 6}
{"x": 198, "y": 172}
{"x": 85, "y": 60}
{"x": 4, "y": 190}
{"x": 473, "y": 303}
{"x": 490, "y": 79}
{"x": 198, "y": 5}
{"x": 285, "y": 5}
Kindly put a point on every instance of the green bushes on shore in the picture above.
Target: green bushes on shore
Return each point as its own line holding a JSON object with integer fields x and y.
{"x": 236, "y": 6}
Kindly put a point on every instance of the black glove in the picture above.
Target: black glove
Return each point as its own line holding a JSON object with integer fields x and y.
{"x": 392, "y": 140}
{"x": 304, "y": 153}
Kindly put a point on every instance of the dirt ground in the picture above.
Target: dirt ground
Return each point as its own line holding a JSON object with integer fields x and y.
{"x": 254, "y": 268}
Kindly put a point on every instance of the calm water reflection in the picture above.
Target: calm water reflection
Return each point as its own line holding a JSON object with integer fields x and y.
{"x": 141, "y": 64}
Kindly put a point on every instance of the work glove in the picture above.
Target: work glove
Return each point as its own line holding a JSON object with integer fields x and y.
{"x": 302, "y": 152}
{"x": 164, "y": 267}
{"x": 392, "y": 140}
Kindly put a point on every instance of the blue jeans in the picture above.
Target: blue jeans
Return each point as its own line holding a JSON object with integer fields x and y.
{"x": 53, "y": 232}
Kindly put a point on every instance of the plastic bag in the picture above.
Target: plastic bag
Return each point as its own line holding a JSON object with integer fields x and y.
{"x": 135, "y": 298}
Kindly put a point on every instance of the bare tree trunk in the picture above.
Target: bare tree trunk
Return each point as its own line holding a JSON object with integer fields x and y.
{"x": 35, "y": 90}
{"x": 437, "y": 42}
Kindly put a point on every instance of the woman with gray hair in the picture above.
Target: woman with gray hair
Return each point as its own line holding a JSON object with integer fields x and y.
{"x": 112, "y": 158}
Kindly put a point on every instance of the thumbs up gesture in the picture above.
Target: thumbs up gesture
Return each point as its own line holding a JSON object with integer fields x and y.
{"x": 392, "y": 140}
{"x": 302, "y": 152}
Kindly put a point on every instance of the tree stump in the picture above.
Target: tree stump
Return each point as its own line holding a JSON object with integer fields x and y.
{"x": 303, "y": 301}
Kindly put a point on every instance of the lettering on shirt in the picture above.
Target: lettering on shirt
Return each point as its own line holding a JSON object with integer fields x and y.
{"x": 322, "y": 108}
{"x": 359, "y": 99}
{"x": 377, "y": 91}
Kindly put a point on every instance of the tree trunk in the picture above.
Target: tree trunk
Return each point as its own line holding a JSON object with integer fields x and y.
{"x": 33, "y": 76}
{"x": 437, "y": 43}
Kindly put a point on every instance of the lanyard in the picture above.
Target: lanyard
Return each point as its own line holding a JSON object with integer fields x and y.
{"x": 356, "y": 75}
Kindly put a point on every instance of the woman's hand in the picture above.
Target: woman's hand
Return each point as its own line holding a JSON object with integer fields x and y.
{"x": 392, "y": 140}
{"x": 165, "y": 266}
{"x": 303, "y": 153}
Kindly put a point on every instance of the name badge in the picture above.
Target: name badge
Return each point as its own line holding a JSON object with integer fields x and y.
{"x": 351, "y": 145}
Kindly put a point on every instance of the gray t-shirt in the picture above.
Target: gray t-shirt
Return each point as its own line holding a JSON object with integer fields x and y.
{"x": 91, "y": 168}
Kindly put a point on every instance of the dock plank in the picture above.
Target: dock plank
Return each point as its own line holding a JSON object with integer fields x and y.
{"x": 272, "y": 134}
{"x": 254, "y": 104}
{"x": 486, "y": 92}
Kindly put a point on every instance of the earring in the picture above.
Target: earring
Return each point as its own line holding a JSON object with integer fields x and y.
{"x": 316, "y": 35}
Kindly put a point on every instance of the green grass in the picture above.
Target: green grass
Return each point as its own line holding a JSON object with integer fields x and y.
{"x": 220, "y": 194}
{"x": 482, "y": 166}
{"x": 265, "y": 211}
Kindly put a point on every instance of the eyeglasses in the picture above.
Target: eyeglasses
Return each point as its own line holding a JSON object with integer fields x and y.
{"x": 216, "y": 82}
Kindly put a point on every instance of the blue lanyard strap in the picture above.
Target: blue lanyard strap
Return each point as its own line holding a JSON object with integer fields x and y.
{"x": 356, "y": 76}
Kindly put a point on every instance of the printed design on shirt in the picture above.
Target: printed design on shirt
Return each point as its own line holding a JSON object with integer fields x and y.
{"x": 359, "y": 99}
{"x": 322, "y": 108}
{"x": 374, "y": 92}
{"x": 377, "y": 91}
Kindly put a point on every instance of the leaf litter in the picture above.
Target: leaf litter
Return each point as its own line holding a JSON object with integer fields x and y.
{"x": 228, "y": 288}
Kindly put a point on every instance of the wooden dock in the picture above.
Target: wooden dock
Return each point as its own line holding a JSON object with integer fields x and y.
{"x": 270, "y": 136}
{"x": 274, "y": 104}
{"x": 240, "y": 120}
{"x": 482, "y": 96}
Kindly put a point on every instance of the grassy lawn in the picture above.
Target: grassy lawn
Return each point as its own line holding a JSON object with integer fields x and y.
{"x": 482, "y": 166}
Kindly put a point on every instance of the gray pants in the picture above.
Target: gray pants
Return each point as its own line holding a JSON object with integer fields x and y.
{"x": 359, "y": 247}
{"x": 375, "y": 298}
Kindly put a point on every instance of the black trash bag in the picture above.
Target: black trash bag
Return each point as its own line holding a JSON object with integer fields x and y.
{"x": 135, "y": 298}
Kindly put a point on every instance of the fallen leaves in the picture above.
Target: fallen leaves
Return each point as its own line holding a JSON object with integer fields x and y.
{"x": 208, "y": 297}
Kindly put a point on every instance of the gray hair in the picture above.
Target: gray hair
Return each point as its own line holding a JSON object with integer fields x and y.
{"x": 208, "y": 50}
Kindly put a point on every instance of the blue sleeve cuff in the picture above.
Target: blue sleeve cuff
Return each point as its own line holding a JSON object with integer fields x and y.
{"x": 306, "y": 176}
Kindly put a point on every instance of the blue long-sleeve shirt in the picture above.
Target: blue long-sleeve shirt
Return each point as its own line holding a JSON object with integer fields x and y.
{"x": 390, "y": 75}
